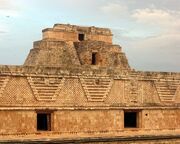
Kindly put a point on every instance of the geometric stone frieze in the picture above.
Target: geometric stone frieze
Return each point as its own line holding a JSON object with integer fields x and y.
{"x": 132, "y": 88}
{"x": 166, "y": 89}
{"x": 46, "y": 88}
{"x": 3, "y": 82}
{"x": 96, "y": 89}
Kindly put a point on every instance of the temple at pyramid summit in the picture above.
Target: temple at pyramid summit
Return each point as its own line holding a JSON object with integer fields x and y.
{"x": 76, "y": 86}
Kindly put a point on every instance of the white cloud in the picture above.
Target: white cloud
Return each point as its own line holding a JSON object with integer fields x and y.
{"x": 9, "y": 8}
{"x": 114, "y": 9}
{"x": 8, "y": 4}
{"x": 158, "y": 47}
{"x": 167, "y": 20}
{"x": 4, "y": 4}
{"x": 156, "y": 53}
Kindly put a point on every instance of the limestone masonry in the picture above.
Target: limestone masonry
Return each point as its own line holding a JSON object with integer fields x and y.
{"x": 76, "y": 84}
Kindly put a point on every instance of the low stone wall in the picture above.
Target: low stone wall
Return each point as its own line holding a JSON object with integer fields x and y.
{"x": 88, "y": 122}
{"x": 167, "y": 139}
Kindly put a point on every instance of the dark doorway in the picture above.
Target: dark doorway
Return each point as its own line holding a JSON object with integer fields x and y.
{"x": 94, "y": 58}
{"x": 81, "y": 37}
{"x": 130, "y": 119}
{"x": 43, "y": 121}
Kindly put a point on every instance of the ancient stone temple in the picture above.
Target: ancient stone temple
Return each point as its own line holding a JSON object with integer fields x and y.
{"x": 77, "y": 86}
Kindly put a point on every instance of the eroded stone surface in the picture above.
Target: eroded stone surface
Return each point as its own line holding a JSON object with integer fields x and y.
{"x": 84, "y": 85}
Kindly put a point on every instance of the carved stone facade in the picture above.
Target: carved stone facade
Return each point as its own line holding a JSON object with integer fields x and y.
{"x": 76, "y": 84}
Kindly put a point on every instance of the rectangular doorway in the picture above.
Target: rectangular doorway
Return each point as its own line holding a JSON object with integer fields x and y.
{"x": 94, "y": 58}
{"x": 131, "y": 119}
{"x": 81, "y": 37}
{"x": 44, "y": 121}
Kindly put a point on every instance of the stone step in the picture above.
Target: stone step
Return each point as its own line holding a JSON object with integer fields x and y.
{"x": 172, "y": 81}
{"x": 48, "y": 92}
{"x": 96, "y": 83}
{"x": 170, "y": 101}
{"x": 43, "y": 93}
{"x": 39, "y": 85}
{"x": 168, "y": 80}
{"x": 105, "y": 87}
{"x": 96, "y": 100}
{"x": 48, "y": 99}
{"x": 97, "y": 93}
{"x": 45, "y": 97}
{"x": 46, "y": 89}
{"x": 164, "y": 98}
{"x": 167, "y": 98}
{"x": 167, "y": 89}
{"x": 166, "y": 84}
{"x": 167, "y": 92}
{"x": 166, "y": 95}
{"x": 162, "y": 85}
{"x": 92, "y": 80}
{"x": 97, "y": 88}
{"x": 96, "y": 97}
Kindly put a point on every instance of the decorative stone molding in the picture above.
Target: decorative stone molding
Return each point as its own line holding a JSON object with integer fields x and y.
{"x": 96, "y": 89}
{"x": 3, "y": 82}
{"x": 167, "y": 89}
{"x": 46, "y": 88}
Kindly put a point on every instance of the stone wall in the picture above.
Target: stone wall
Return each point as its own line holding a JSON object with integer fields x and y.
{"x": 17, "y": 122}
{"x": 62, "y": 32}
{"x": 107, "y": 55}
{"x": 52, "y": 53}
{"x": 62, "y": 54}
{"x": 62, "y": 46}
{"x": 87, "y": 87}
{"x": 95, "y": 121}
{"x": 86, "y": 121}
{"x": 74, "y": 106}
{"x": 161, "y": 119}
{"x": 23, "y": 88}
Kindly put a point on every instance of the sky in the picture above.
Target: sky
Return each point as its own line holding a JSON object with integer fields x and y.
{"x": 147, "y": 30}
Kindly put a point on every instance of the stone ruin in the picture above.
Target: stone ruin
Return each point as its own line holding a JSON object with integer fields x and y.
{"x": 75, "y": 83}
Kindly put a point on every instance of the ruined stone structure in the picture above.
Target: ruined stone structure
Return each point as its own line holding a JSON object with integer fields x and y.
{"x": 77, "y": 85}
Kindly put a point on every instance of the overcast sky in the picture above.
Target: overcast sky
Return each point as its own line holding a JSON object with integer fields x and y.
{"x": 147, "y": 30}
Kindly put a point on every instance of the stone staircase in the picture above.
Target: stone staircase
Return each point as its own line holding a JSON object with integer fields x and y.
{"x": 96, "y": 89}
{"x": 167, "y": 89}
{"x": 45, "y": 88}
{"x": 3, "y": 81}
